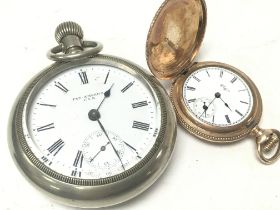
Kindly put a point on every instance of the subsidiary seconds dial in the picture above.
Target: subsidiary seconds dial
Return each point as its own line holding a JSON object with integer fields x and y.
{"x": 217, "y": 96}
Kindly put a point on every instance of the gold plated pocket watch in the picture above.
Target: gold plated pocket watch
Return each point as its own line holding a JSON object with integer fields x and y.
{"x": 91, "y": 130}
{"x": 214, "y": 101}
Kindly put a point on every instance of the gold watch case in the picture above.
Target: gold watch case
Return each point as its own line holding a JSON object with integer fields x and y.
{"x": 173, "y": 42}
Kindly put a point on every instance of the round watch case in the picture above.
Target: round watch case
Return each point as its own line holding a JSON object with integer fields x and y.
{"x": 173, "y": 42}
{"x": 90, "y": 192}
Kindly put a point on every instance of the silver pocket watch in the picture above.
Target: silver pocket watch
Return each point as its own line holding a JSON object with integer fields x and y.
{"x": 91, "y": 130}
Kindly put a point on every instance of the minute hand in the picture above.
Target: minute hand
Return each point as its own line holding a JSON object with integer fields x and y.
{"x": 103, "y": 129}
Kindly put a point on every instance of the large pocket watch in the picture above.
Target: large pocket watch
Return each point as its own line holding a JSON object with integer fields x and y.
{"x": 91, "y": 130}
{"x": 213, "y": 101}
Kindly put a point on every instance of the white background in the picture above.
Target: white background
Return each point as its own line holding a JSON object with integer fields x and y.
{"x": 243, "y": 33}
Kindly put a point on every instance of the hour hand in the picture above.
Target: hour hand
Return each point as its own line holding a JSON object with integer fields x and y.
{"x": 226, "y": 104}
{"x": 218, "y": 95}
{"x": 107, "y": 94}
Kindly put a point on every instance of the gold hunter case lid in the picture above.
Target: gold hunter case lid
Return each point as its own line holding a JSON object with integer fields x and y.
{"x": 175, "y": 36}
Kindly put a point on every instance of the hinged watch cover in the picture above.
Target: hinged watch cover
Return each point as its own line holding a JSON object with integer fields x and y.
{"x": 175, "y": 36}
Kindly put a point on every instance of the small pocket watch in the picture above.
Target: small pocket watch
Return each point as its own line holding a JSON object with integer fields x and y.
{"x": 91, "y": 130}
{"x": 214, "y": 101}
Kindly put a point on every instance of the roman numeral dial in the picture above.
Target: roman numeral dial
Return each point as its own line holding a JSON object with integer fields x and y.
{"x": 93, "y": 121}
{"x": 217, "y": 96}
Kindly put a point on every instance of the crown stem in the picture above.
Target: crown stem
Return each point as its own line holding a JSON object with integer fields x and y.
{"x": 70, "y": 35}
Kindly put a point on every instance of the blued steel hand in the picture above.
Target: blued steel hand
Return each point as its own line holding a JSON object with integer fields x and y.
{"x": 103, "y": 148}
{"x": 226, "y": 104}
{"x": 131, "y": 147}
{"x": 107, "y": 94}
{"x": 103, "y": 129}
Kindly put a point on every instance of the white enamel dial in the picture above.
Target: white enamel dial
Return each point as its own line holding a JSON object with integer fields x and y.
{"x": 217, "y": 96}
{"x": 88, "y": 110}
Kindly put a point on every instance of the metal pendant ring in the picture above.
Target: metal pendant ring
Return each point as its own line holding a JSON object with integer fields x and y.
{"x": 91, "y": 48}
{"x": 268, "y": 143}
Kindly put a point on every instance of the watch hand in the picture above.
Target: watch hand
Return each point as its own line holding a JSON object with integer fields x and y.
{"x": 103, "y": 129}
{"x": 131, "y": 147}
{"x": 205, "y": 108}
{"x": 103, "y": 148}
{"x": 226, "y": 104}
{"x": 107, "y": 94}
{"x": 217, "y": 95}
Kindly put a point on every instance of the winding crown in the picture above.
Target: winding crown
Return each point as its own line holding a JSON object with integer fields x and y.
{"x": 68, "y": 28}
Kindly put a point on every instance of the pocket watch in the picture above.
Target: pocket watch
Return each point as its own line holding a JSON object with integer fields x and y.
{"x": 214, "y": 101}
{"x": 91, "y": 130}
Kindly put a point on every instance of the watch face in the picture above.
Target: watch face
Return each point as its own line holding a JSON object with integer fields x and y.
{"x": 217, "y": 96}
{"x": 92, "y": 121}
